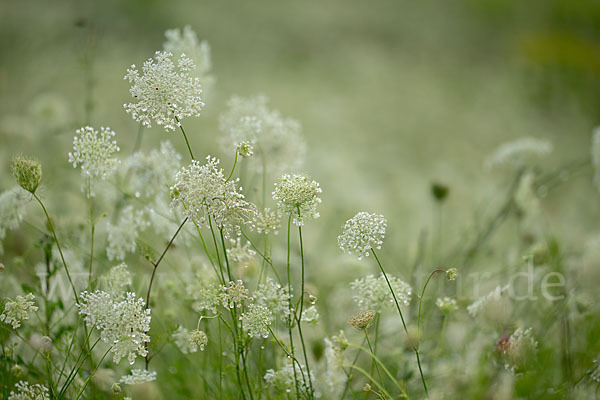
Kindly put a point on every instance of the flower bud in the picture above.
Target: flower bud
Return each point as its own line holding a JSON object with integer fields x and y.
{"x": 451, "y": 274}
{"x": 27, "y": 172}
{"x": 245, "y": 149}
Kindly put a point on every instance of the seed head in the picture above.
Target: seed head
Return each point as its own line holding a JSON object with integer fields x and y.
{"x": 27, "y": 172}
{"x": 361, "y": 320}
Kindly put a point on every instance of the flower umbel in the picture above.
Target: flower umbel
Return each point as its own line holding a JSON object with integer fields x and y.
{"x": 189, "y": 342}
{"x": 94, "y": 152}
{"x": 27, "y": 172}
{"x": 25, "y": 391}
{"x": 18, "y": 310}
{"x": 297, "y": 195}
{"x": 138, "y": 376}
{"x": 362, "y": 233}
{"x": 374, "y": 294}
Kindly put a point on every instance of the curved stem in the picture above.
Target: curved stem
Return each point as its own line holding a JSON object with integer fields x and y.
{"x": 187, "y": 142}
{"x": 232, "y": 168}
{"x": 423, "y": 294}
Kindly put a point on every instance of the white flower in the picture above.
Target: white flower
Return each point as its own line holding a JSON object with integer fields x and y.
{"x": 94, "y": 152}
{"x": 519, "y": 152}
{"x": 13, "y": 203}
{"x": 282, "y": 380}
{"x": 204, "y": 192}
{"x": 334, "y": 373}
{"x": 374, "y": 293}
{"x": 362, "y": 233}
{"x": 277, "y": 140}
{"x": 117, "y": 279}
{"x": 123, "y": 323}
{"x": 138, "y": 376}
{"x": 446, "y": 304}
{"x": 256, "y": 321}
{"x": 18, "y": 310}
{"x": 205, "y": 296}
{"x": 25, "y": 391}
{"x": 310, "y": 315}
{"x": 189, "y": 342}
{"x": 164, "y": 93}
{"x": 297, "y": 195}
{"x": 186, "y": 42}
{"x": 234, "y": 294}
{"x": 240, "y": 253}
{"x": 517, "y": 348}
{"x": 122, "y": 237}
{"x": 267, "y": 222}
{"x": 275, "y": 297}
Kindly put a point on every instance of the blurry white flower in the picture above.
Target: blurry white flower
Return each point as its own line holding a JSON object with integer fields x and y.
{"x": 245, "y": 149}
{"x": 205, "y": 296}
{"x": 361, "y": 233}
{"x": 275, "y": 297}
{"x": 240, "y": 253}
{"x": 297, "y": 195}
{"x": 94, "y": 152}
{"x": 117, "y": 279}
{"x": 234, "y": 294}
{"x": 25, "y": 391}
{"x": 122, "y": 237}
{"x": 267, "y": 222}
{"x": 446, "y": 304}
{"x": 18, "y": 310}
{"x": 372, "y": 293}
{"x": 186, "y": 42}
{"x": 334, "y": 373}
{"x": 282, "y": 380}
{"x": 519, "y": 153}
{"x": 164, "y": 93}
{"x": 123, "y": 323}
{"x": 13, "y": 203}
{"x": 310, "y": 315}
{"x": 137, "y": 376}
{"x": 189, "y": 342}
{"x": 256, "y": 321}
{"x": 517, "y": 348}
{"x": 480, "y": 303}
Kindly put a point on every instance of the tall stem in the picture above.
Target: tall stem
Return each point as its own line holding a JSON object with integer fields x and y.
{"x": 93, "y": 229}
{"x": 301, "y": 309}
{"x": 292, "y": 313}
{"x": 187, "y": 142}
{"x": 373, "y": 362}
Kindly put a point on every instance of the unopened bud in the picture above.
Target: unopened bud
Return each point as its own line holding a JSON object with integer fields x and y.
{"x": 27, "y": 172}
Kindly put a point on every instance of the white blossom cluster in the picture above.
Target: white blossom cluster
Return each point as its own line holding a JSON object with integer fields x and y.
{"x": 204, "y": 296}
{"x": 480, "y": 303}
{"x": 362, "y": 233}
{"x": 18, "y": 310}
{"x": 278, "y": 140}
{"x": 165, "y": 93}
{"x": 519, "y": 153}
{"x": 446, "y": 304}
{"x": 240, "y": 253}
{"x": 25, "y": 391}
{"x": 151, "y": 173}
{"x": 204, "y": 192}
{"x": 189, "y": 342}
{"x": 310, "y": 315}
{"x": 274, "y": 297}
{"x": 117, "y": 279}
{"x": 372, "y": 293}
{"x": 137, "y": 376}
{"x": 185, "y": 41}
{"x": 235, "y": 294}
{"x": 518, "y": 348}
{"x": 282, "y": 380}
{"x": 122, "y": 237}
{"x": 13, "y": 203}
{"x": 297, "y": 195}
{"x": 335, "y": 376}
{"x": 123, "y": 322}
{"x": 267, "y": 222}
{"x": 94, "y": 152}
{"x": 256, "y": 321}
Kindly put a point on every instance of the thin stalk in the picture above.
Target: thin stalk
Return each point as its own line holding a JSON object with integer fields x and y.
{"x": 349, "y": 374}
{"x": 373, "y": 360}
{"x": 263, "y": 255}
{"x": 232, "y": 168}
{"x": 365, "y": 373}
{"x": 93, "y": 229}
{"x": 187, "y": 142}
{"x": 291, "y": 318}
{"x": 138, "y": 139}
{"x": 301, "y": 309}
{"x": 423, "y": 294}
{"x": 87, "y": 381}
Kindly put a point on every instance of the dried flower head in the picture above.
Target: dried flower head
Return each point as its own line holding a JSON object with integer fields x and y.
{"x": 362, "y": 233}
{"x": 165, "y": 93}
{"x": 446, "y": 304}
{"x": 204, "y": 192}
{"x": 18, "y": 310}
{"x": 189, "y": 342}
{"x": 123, "y": 322}
{"x": 374, "y": 294}
{"x": 297, "y": 195}
{"x": 27, "y": 172}
{"x": 256, "y": 321}
{"x": 137, "y": 376}
{"x": 361, "y": 320}
{"x": 25, "y": 391}
{"x": 94, "y": 152}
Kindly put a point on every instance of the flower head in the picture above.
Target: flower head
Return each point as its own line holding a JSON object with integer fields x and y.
{"x": 267, "y": 222}
{"x": 519, "y": 152}
{"x": 204, "y": 296}
{"x": 189, "y": 342}
{"x": 165, "y": 93}
{"x": 13, "y": 203}
{"x": 361, "y": 320}
{"x": 138, "y": 376}
{"x": 123, "y": 322}
{"x": 18, "y": 310}
{"x": 451, "y": 274}
{"x": 256, "y": 321}
{"x": 235, "y": 294}
{"x": 297, "y": 195}
{"x": 362, "y": 233}
{"x": 275, "y": 297}
{"x": 122, "y": 237}
{"x": 94, "y": 152}
{"x": 374, "y": 294}
{"x": 245, "y": 149}
{"x": 310, "y": 315}
{"x": 446, "y": 304}
{"x": 25, "y": 391}
{"x": 27, "y": 172}
{"x": 117, "y": 279}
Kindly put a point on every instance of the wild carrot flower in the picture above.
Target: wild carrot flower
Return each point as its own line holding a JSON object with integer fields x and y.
{"x": 446, "y": 304}
{"x": 267, "y": 222}
{"x": 282, "y": 380}
{"x": 27, "y": 172}
{"x": 362, "y": 233}
{"x": 245, "y": 149}
{"x": 310, "y": 315}
{"x": 137, "y": 376}
{"x": 25, "y": 391}
{"x": 185, "y": 41}
{"x": 235, "y": 294}
{"x": 256, "y": 321}
{"x": 189, "y": 342}
{"x": 123, "y": 322}
{"x": 297, "y": 195}
{"x": 165, "y": 93}
{"x": 451, "y": 274}
{"x": 372, "y": 293}
{"x": 18, "y": 310}
{"x": 517, "y": 348}
{"x": 204, "y": 296}
{"x": 93, "y": 151}
{"x": 13, "y": 204}
{"x": 204, "y": 192}
{"x": 117, "y": 279}
{"x": 122, "y": 237}
{"x": 334, "y": 372}
{"x": 519, "y": 153}
{"x": 239, "y": 252}
{"x": 361, "y": 320}
{"x": 275, "y": 297}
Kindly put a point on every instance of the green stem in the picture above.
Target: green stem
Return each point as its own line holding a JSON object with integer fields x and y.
{"x": 187, "y": 142}
{"x": 232, "y": 168}
{"x": 423, "y": 294}
{"x": 93, "y": 229}
{"x": 301, "y": 310}
{"x": 373, "y": 362}
{"x": 291, "y": 318}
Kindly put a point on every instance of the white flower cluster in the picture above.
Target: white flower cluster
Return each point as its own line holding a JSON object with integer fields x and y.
{"x": 18, "y": 310}
{"x": 186, "y": 42}
{"x": 151, "y": 174}
{"x": 278, "y": 140}
{"x": 117, "y": 279}
{"x": 310, "y": 315}
{"x": 480, "y": 303}
{"x": 164, "y": 93}
{"x": 518, "y": 348}
{"x": 94, "y": 152}
{"x": 123, "y": 236}
{"x": 519, "y": 152}
{"x": 25, "y": 391}
{"x": 13, "y": 203}
{"x": 123, "y": 322}
{"x": 256, "y": 321}
{"x": 362, "y": 233}
{"x": 189, "y": 342}
{"x": 274, "y": 297}
{"x": 374, "y": 293}
{"x": 297, "y": 195}
{"x": 137, "y": 376}
{"x": 240, "y": 253}
{"x": 204, "y": 296}
{"x": 205, "y": 193}
{"x": 283, "y": 381}
{"x": 446, "y": 304}
{"x": 267, "y": 222}
{"x": 235, "y": 294}
{"x": 334, "y": 372}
